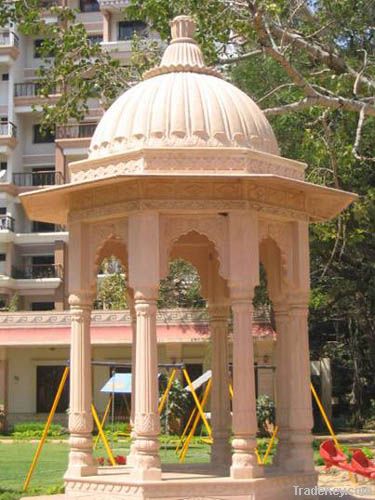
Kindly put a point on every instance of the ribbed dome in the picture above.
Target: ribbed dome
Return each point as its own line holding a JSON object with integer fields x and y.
{"x": 182, "y": 103}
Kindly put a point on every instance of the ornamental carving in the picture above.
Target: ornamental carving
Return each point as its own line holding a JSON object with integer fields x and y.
{"x": 280, "y": 233}
{"x": 146, "y": 423}
{"x": 80, "y": 422}
{"x": 108, "y": 239}
{"x": 214, "y": 227}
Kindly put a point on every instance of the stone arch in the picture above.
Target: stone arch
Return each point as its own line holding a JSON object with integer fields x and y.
{"x": 107, "y": 240}
{"x": 214, "y": 228}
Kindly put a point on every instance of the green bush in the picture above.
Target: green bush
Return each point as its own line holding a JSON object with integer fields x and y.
{"x": 27, "y": 430}
{"x": 265, "y": 414}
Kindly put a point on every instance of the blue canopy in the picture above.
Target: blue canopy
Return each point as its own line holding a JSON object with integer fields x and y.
{"x": 119, "y": 383}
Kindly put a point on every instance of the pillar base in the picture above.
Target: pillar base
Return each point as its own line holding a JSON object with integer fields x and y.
{"x": 295, "y": 454}
{"x": 251, "y": 472}
{"x": 153, "y": 474}
{"x": 221, "y": 453}
{"x": 81, "y": 471}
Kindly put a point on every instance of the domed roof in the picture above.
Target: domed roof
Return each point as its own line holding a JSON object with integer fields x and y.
{"x": 182, "y": 103}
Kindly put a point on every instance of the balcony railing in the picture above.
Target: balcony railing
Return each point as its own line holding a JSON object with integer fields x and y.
{"x": 29, "y": 89}
{"x": 8, "y": 129}
{"x": 77, "y": 131}
{"x": 7, "y": 223}
{"x": 38, "y": 271}
{"x": 9, "y": 38}
{"x": 38, "y": 178}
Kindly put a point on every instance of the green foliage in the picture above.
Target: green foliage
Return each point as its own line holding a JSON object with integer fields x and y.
{"x": 265, "y": 414}
{"x": 176, "y": 407}
{"x": 14, "y": 303}
{"x": 181, "y": 288}
{"x": 111, "y": 290}
{"x": 29, "y": 430}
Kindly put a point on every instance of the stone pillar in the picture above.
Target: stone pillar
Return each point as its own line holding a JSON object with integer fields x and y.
{"x": 81, "y": 462}
{"x": 144, "y": 280}
{"x": 243, "y": 277}
{"x": 131, "y": 455}
{"x": 244, "y": 460}
{"x": 293, "y": 402}
{"x": 293, "y": 394}
{"x": 3, "y": 389}
{"x": 220, "y": 400}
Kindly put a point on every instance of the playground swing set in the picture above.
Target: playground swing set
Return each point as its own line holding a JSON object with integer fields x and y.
{"x": 330, "y": 450}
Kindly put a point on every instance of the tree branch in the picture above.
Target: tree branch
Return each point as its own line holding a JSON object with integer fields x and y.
{"x": 241, "y": 57}
{"x": 358, "y": 135}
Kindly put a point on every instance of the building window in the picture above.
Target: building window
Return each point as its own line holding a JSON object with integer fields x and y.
{"x": 47, "y": 382}
{"x": 40, "y": 137}
{"x": 93, "y": 39}
{"x": 3, "y": 210}
{"x": 3, "y": 257}
{"x": 5, "y": 77}
{"x": 126, "y": 29}
{"x": 43, "y": 227}
{"x": 42, "y": 306}
{"x": 89, "y": 5}
{"x": 3, "y": 165}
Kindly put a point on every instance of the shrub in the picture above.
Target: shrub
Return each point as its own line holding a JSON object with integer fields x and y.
{"x": 265, "y": 414}
{"x": 28, "y": 430}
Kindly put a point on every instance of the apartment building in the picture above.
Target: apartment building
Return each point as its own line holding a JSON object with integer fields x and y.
{"x": 33, "y": 254}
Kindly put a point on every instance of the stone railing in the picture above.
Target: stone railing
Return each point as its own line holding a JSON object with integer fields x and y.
{"x": 108, "y": 317}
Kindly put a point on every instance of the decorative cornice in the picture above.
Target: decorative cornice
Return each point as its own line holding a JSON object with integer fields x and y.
{"x": 192, "y": 160}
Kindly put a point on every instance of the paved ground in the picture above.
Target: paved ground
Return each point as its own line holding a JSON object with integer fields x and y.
{"x": 336, "y": 478}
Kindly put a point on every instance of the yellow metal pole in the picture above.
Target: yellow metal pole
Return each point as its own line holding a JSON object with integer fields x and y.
{"x": 185, "y": 430}
{"x": 231, "y": 391}
{"x": 166, "y": 392}
{"x": 196, "y": 421}
{"x": 46, "y": 428}
{"x": 269, "y": 447}
{"x": 102, "y": 435}
{"x": 324, "y": 415}
{"x": 200, "y": 410}
{"x": 259, "y": 460}
{"x": 104, "y": 419}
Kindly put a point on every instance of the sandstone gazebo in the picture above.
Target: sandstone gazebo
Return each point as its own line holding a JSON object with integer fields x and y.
{"x": 184, "y": 164}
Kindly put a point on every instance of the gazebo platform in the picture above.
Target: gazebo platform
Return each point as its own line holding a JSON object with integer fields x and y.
{"x": 187, "y": 482}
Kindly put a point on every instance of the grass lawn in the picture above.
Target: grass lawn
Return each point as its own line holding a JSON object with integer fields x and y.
{"x": 15, "y": 460}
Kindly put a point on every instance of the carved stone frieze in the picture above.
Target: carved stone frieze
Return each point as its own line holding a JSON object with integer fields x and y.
{"x": 182, "y": 160}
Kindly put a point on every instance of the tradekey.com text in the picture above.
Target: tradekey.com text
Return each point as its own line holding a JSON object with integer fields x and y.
{"x": 316, "y": 491}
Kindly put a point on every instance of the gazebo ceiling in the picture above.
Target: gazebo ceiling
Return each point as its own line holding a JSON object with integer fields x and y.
{"x": 182, "y": 103}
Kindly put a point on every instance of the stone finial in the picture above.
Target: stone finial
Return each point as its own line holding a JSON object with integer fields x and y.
{"x": 182, "y": 28}
{"x": 183, "y": 54}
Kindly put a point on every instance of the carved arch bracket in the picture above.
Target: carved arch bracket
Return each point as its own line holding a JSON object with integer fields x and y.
{"x": 280, "y": 233}
{"x": 106, "y": 239}
{"x": 214, "y": 227}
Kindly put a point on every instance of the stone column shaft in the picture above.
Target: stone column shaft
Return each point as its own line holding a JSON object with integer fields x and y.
{"x": 220, "y": 400}
{"x": 146, "y": 419}
{"x": 244, "y": 460}
{"x": 293, "y": 404}
{"x": 81, "y": 462}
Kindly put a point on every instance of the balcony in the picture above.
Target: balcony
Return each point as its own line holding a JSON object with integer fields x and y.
{"x": 77, "y": 131}
{"x": 35, "y": 179}
{"x": 8, "y": 47}
{"x": 27, "y": 94}
{"x": 74, "y": 139}
{"x": 113, "y": 5}
{"x": 6, "y": 223}
{"x": 38, "y": 271}
{"x": 8, "y": 136}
